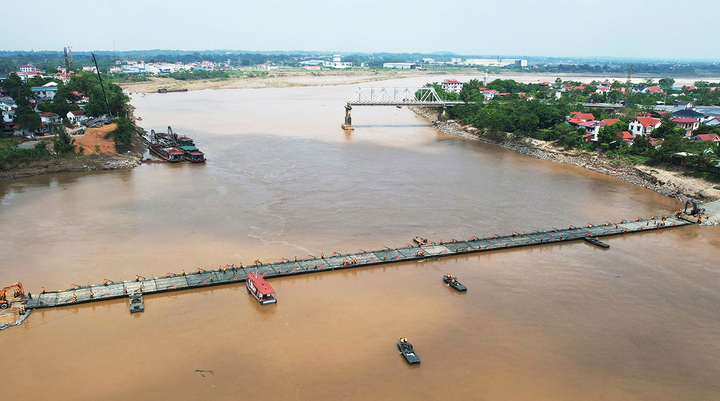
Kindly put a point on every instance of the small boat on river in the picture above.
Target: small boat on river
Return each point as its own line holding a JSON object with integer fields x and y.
{"x": 166, "y": 90}
{"x": 136, "y": 303}
{"x": 260, "y": 289}
{"x": 452, "y": 282}
{"x": 407, "y": 351}
{"x": 597, "y": 242}
{"x": 421, "y": 241}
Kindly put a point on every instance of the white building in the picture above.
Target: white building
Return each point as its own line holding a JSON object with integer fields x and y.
{"x": 337, "y": 62}
{"x": 486, "y": 62}
{"x": 452, "y": 85}
{"x": 400, "y": 66}
{"x": 76, "y": 116}
{"x": 687, "y": 123}
{"x": 513, "y": 61}
{"x": 49, "y": 118}
{"x": 45, "y": 92}
{"x": 643, "y": 126}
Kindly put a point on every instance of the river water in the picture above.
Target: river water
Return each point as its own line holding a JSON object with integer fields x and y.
{"x": 637, "y": 321}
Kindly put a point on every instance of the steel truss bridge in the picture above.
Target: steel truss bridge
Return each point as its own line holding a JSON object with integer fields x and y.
{"x": 398, "y": 96}
{"x": 395, "y": 96}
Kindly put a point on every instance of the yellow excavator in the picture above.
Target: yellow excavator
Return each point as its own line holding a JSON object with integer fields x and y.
{"x": 17, "y": 293}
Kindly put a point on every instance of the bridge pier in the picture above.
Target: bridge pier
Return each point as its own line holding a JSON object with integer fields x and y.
{"x": 348, "y": 119}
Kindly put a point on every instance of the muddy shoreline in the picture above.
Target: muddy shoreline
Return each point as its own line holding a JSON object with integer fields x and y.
{"x": 99, "y": 154}
{"x": 72, "y": 164}
{"x": 307, "y": 78}
{"x": 666, "y": 180}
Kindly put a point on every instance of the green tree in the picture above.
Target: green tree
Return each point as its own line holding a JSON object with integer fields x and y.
{"x": 18, "y": 90}
{"x": 641, "y": 146}
{"x": 62, "y": 143}
{"x": 608, "y": 136}
{"x": 666, "y": 84}
{"x": 122, "y": 135}
{"x": 12, "y": 83}
{"x": 470, "y": 91}
{"x": 29, "y": 120}
{"x": 572, "y": 139}
{"x": 528, "y": 122}
{"x": 666, "y": 128}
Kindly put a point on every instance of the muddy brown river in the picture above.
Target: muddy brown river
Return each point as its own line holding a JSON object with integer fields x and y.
{"x": 639, "y": 321}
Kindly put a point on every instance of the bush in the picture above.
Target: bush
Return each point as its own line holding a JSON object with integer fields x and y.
{"x": 63, "y": 142}
{"x": 122, "y": 135}
{"x": 10, "y": 153}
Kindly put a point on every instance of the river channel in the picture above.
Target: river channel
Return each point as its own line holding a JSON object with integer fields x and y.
{"x": 561, "y": 322}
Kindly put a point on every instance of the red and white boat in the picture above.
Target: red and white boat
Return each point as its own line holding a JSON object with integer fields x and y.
{"x": 169, "y": 154}
{"x": 260, "y": 289}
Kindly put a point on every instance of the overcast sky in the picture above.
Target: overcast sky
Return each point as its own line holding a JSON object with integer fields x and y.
{"x": 576, "y": 28}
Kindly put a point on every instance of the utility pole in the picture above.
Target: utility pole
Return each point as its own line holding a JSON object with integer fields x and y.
{"x": 107, "y": 105}
{"x": 627, "y": 83}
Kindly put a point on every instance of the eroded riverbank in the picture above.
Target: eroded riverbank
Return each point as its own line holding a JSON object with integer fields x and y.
{"x": 667, "y": 180}
{"x": 98, "y": 153}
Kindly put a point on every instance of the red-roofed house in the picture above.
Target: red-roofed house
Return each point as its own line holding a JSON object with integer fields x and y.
{"x": 64, "y": 77}
{"x": 490, "y": 93}
{"x": 687, "y": 123}
{"x": 18, "y": 131}
{"x": 76, "y": 116}
{"x": 591, "y": 128}
{"x": 626, "y": 136}
{"x": 582, "y": 116}
{"x": 452, "y": 85}
{"x": 601, "y": 90}
{"x": 49, "y": 118}
{"x": 643, "y": 125}
{"x": 706, "y": 137}
{"x": 610, "y": 121}
{"x": 27, "y": 68}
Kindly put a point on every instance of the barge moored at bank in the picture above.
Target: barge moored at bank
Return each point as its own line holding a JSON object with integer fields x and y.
{"x": 169, "y": 154}
{"x": 193, "y": 154}
{"x": 174, "y": 148}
